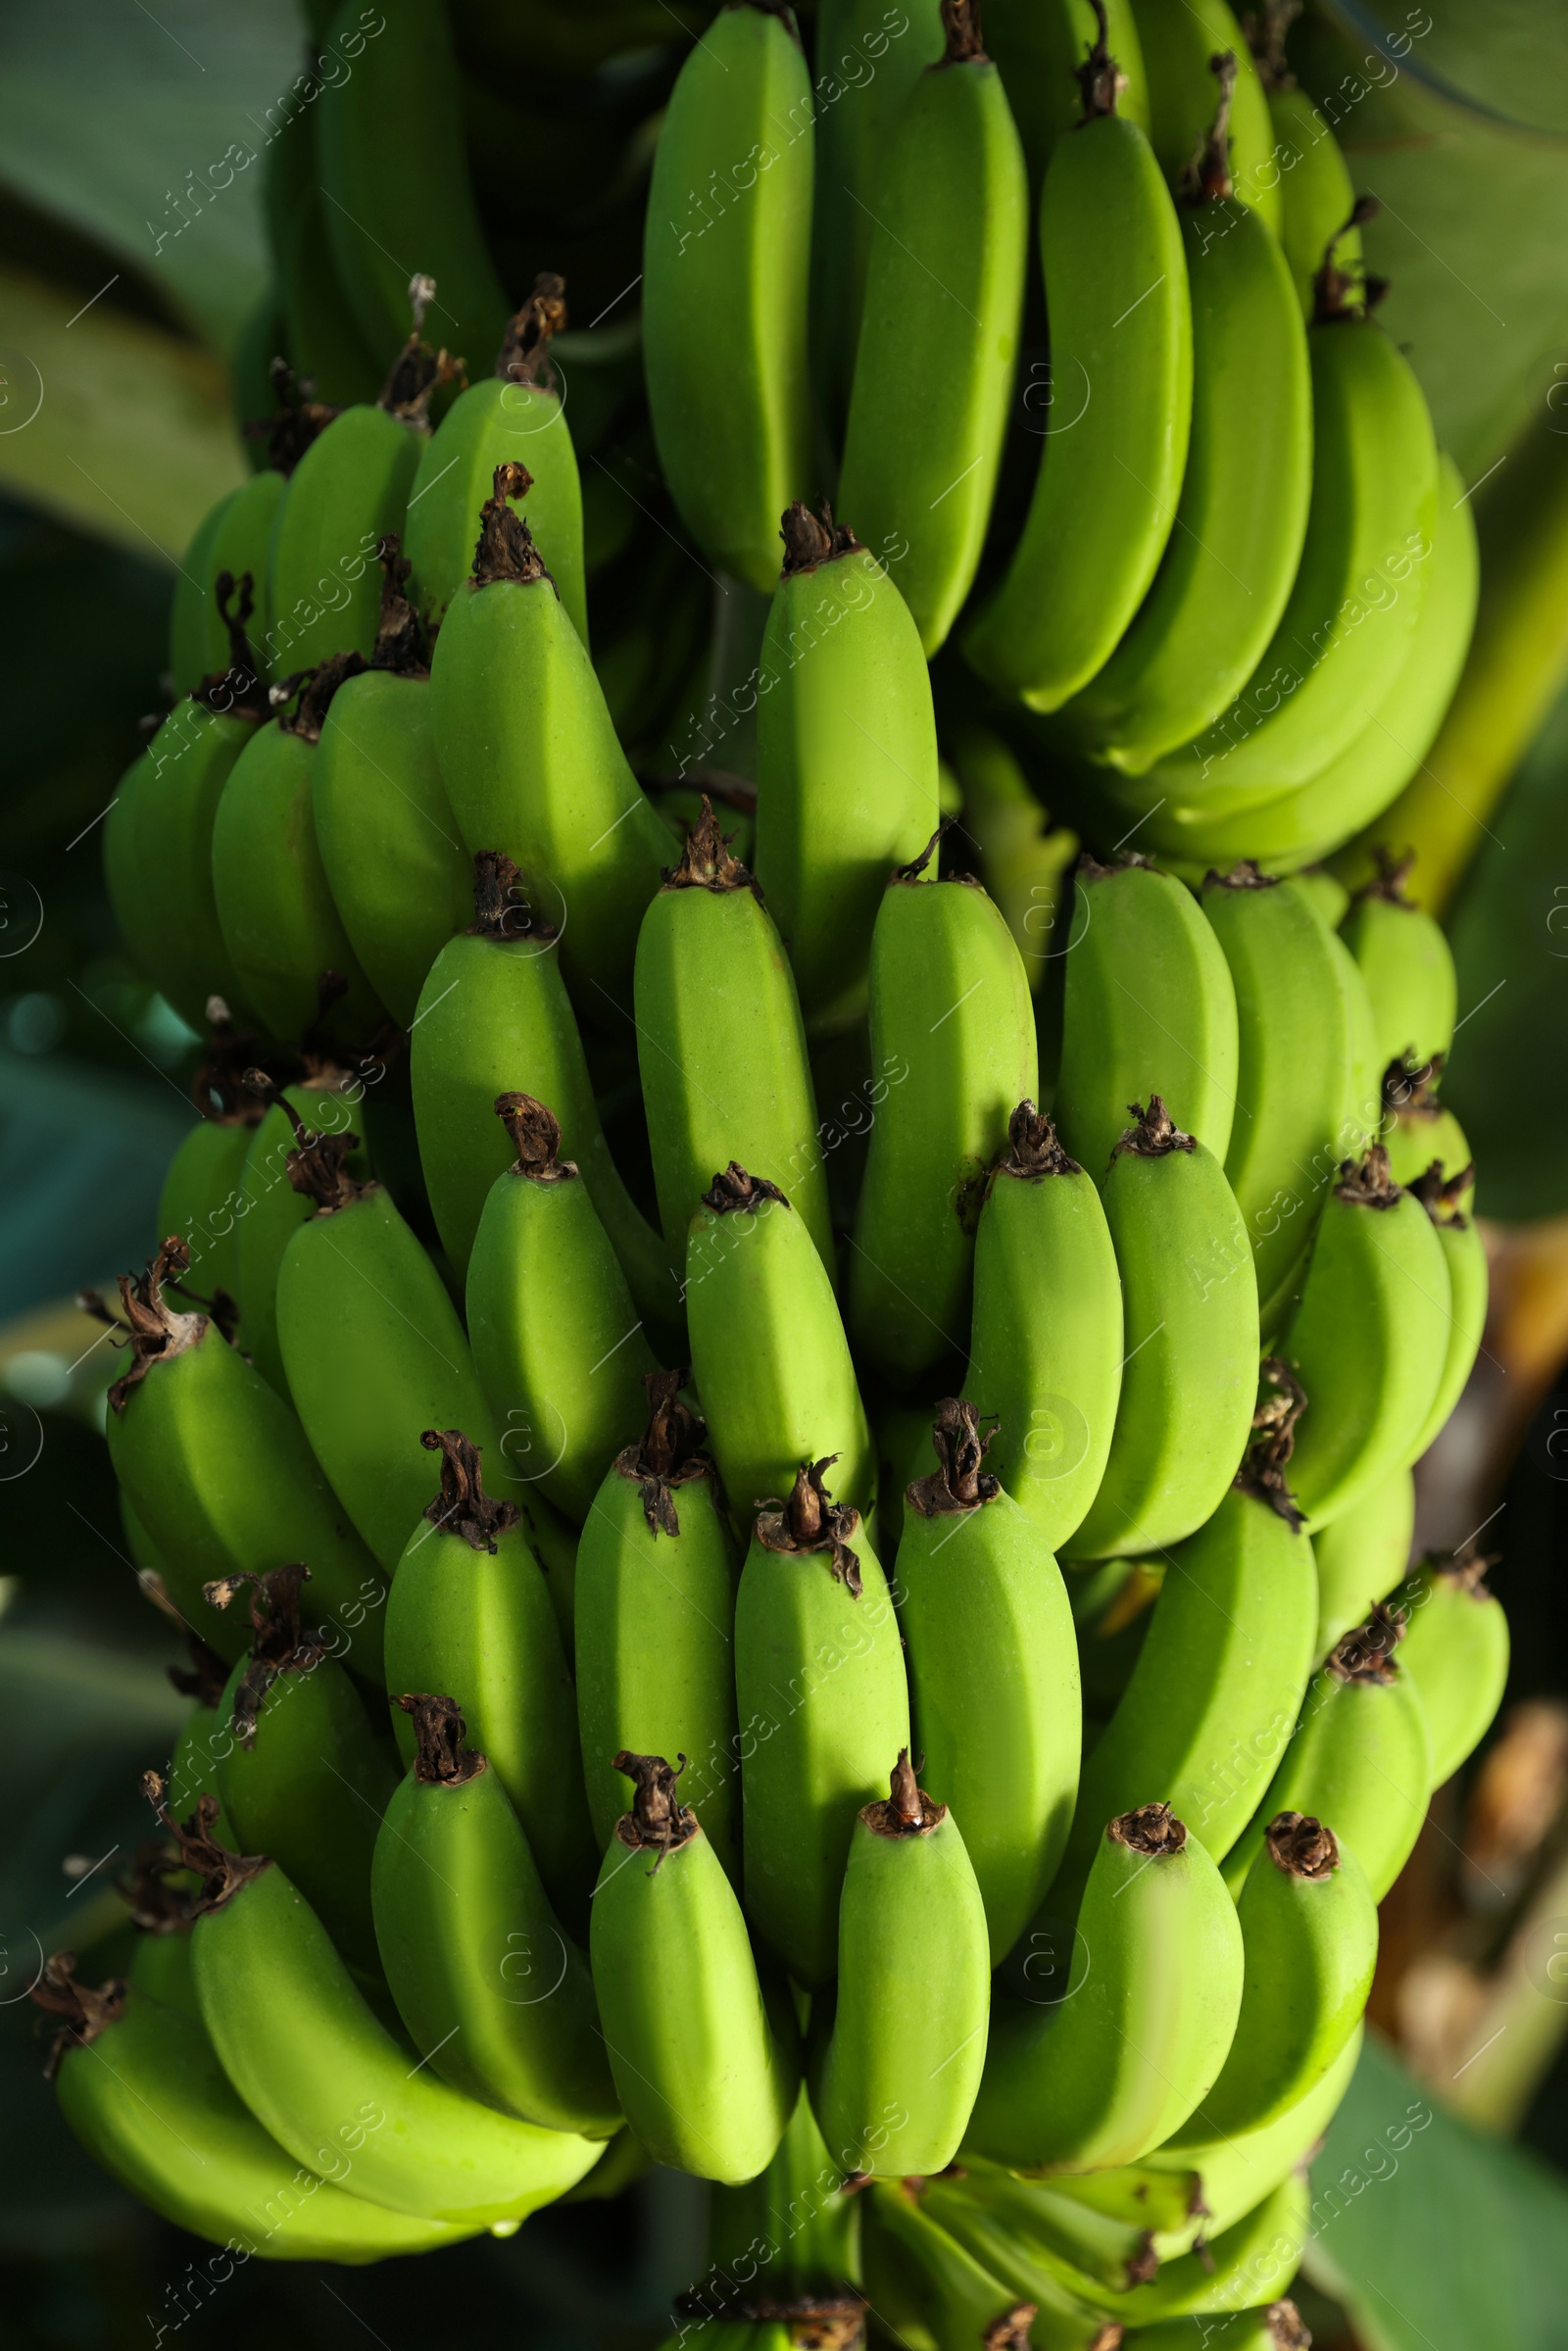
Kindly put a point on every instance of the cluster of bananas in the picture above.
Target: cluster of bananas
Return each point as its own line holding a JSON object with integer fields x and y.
{"x": 529, "y": 1824}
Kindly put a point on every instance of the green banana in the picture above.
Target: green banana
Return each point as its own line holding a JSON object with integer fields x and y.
{"x": 770, "y": 1357}
{"x": 558, "y": 1343}
{"x": 1295, "y": 1020}
{"x": 1046, "y": 1344}
{"x": 1456, "y": 1650}
{"x": 283, "y": 931}
{"x": 901, "y": 2069}
{"x": 470, "y": 1610}
{"x": 721, "y": 1045}
{"x": 951, "y": 1011}
{"x": 157, "y": 1894}
{"x": 396, "y": 182}
{"x": 1418, "y": 1131}
{"x": 494, "y": 1014}
{"x": 303, "y": 1776}
{"x": 931, "y": 2293}
{"x": 490, "y": 1987}
{"x": 371, "y": 1344}
{"x": 801, "y": 2208}
{"x": 1188, "y": 1379}
{"x": 1218, "y": 1682}
{"x": 329, "y": 348}
{"x": 143, "y": 2091}
{"x": 1148, "y": 1003}
{"x": 994, "y": 1676}
{"x": 399, "y": 876}
{"x": 1235, "y": 2174}
{"x": 218, "y": 1471}
{"x": 1310, "y": 1931}
{"x": 310, "y": 2060}
{"x": 1242, "y": 511}
{"x": 1279, "y": 2327}
{"x": 1042, "y": 54}
{"x": 190, "y": 601}
{"x": 845, "y": 755}
{"x": 207, "y": 1174}
{"x": 1112, "y": 2227}
{"x": 1023, "y": 857}
{"x": 1407, "y": 965}
{"x": 1121, "y": 368}
{"x": 654, "y": 1618}
{"x": 940, "y": 327}
{"x": 1115, "y": 2067}
{"x": 1361, "y": 1758}
{"x": 1179, "y": 39}
{"x": 704, "y": 2066}
{"x": 518, "y": 411}
{"x": 1369, "y": 1339}
{"x": 1361, "y": 1555}
{"x": 530, "y": 758}
{"x": 268, "y": 1210}
{"x": 726, "y": 262}
{"x": 1316, "y": 194}
{"x": 233, "y": 537}
{"x": 1465, "y": 1257}
{"x": 822, "y": 1699}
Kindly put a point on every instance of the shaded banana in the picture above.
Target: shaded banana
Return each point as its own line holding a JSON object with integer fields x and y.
{"x": 1316, "y": 193}
{"x": 1023, "y": 857}
{"x": 268, "y": 1210}
{"x": 1456, "y": 1650}
{"x": 1361, "y": 1555}
{"x": 1042, "y": 54}
{"x": 205, "y": 1177}
{"x": 933, "y": 2293}
{"x": 800, "y": 2207}
{"x": 1407, "y": 965}
{"x": 1179, "y": 43}
{"x": 1235, "y": 2175}
{"x": 1465, "y": 1257}
{"x": 1418, "y": 1131}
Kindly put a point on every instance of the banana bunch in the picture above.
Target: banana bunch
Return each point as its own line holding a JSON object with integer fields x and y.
{"x": 789, "y": 1465}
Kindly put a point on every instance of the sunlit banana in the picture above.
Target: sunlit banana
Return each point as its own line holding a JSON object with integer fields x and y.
{"x": 1407, "y": 965}
{"x": 933, "y": 2291}
{"x": 1456, "y": 1650}
{"x": 1418, "y": 1130}
{"x": 1043, "y": 54}
{"x": 1361, "y": 1555}
{"x": 1465, "y": 1257}
{"x": 1179, "y": 44}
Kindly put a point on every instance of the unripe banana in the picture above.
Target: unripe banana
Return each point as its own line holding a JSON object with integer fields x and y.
{"x": 706, "y": 2068}
{"x": 1407, "y": 967}
{"x": 1368, "y": 1341}
{"x": 1456, "y": 1650}
{"x": 143, "y": 2091}
{"x": 558, "y": 1343}
{"x": 518, "y": 411}
{"x": 1316, "y": 193}
{"x": 303, "y": 1775}
{"x": 1310, "y": 1932}
{"x": 1465, "y": 1257}
{"x": 901, "y": 2070}
{"x": 1046, "y": 1344}
{"x": 726, "y": 259}
{"x": 939, "y": 332}
{"x": 269, "y": 1212}
{"x": 490, "y": 1987}
{"x": 1150, "y": 1004}
{"x": 721, "y": 1045}
{"x": 1418, "y": 1131}
{"x": 1042, "y": 54}
{"x": 801, "y": 2208}
{"x": 1113, "y": 2229}
{"x": 191, "y": 602}
{"x": 821, "y": 1697}
{"x": 654, "y": 1618}
{"x": 1118, "y": 2064}
{"x": 1277, "y": 2328}
{"x": 530, "y": 758}
{"x": 372, "y": 1348}
{"x": 770, "y": 1357}
{"x": 297, "y": 2039}
{"x": 397, "y": 873}
{"x": 931, "y": 2291}
{"x": 1361, "y": 1758}
{"x": 233, "y": 537}
{"x": 1179, "y": 42}
{"x": 471, "y": 1611}
{"x": 1023, "y": 857}
{"x": 1219, "y": 1680}
{"x": 1361, "y": 1555}
{"x": 1233, "y": 2175}
{"x": 994, "y": 1676}
{"x": 207, "y": 1176}
{"x": 845, "y": 755}
{"x": 950, "y": 1009}
{"x": 218, "y": 1471}
{"x": 320, "y": 329}
{"x": 494, "y": 1015}
{"x": 1189, "y": 1380}
{"x": 1121, "y": 364}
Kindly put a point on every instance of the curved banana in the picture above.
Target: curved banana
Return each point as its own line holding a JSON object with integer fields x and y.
{"x": 191, "y": 601}
{"x": 1316, "y": 193}
{"x": 994, "y": 1676}
{"x": 929, "y": 2290}
{"x": 1456, "y": 1650}
{"x": 1407, "y": 965}
{"x": 939, "y": 331}
{"x": 1277, "y": 2328}
{"x": 1043, "y": 55}
{"x": 1361, "y": 1758}
{"x": 845, "y": 755}
{"x": 1179, "y": 43}
{"x": 1121, "y": 375}
{"x": 269, "y": 1211}
{"x": 490, "y": 1987}
{"x": 705, "y": 2067}
{"x": 821, "y": 1697}
{"x": 1361, "y": 1555}
{"x": 1120, "y": 2062}
{"x": 953, "y": 1036}
{"x": 727, "y": 261}
{"x": 721, "y": 1045}
{"x": 519, "y": 411}
{"x": 470, "y": 1612}
{"x": 558, "y": 1343}
{"x": 770, "y": 1357}
{"x": 1369, "y": 1340}
{"x": 1465, "y": 1257}
{"x": 1418, "y": 1131}
{"x": 1148, "y": 1004}
{"x": 1023, "y": 855}
{"x": 1046, "y": 1343}
{"x": 234, "y": 540}
{"x": 1235, "y": 2175}
{"x": 1189, "y": 1380}
{"x": 1310, "y": 1932}
{"x": 800, "y": 2207}
{"x": 207, "y": 1175}
{"x": 218, "y": 1471}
